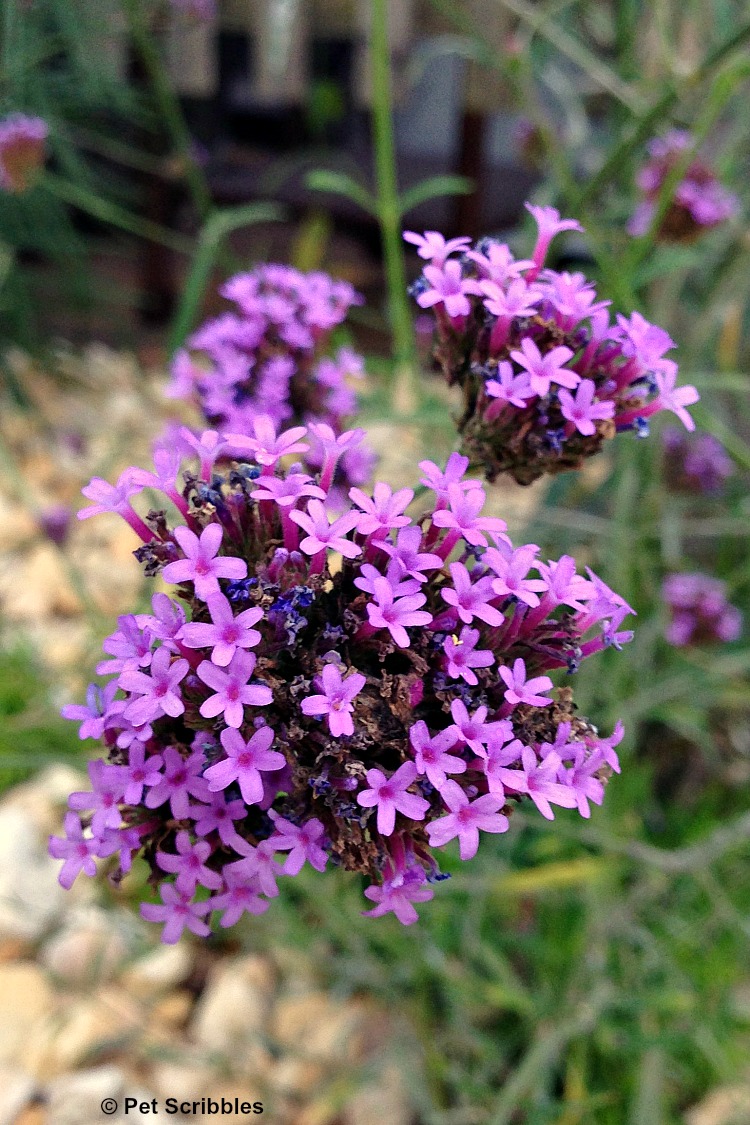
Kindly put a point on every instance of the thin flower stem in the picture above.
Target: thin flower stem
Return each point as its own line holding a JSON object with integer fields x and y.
{"x": 406, "y": 387}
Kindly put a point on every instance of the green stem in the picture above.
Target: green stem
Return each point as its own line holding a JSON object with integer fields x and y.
{"x": 114, "y": 215}
{"x": 169, "y": 106}
{"x": 389, "y": 213}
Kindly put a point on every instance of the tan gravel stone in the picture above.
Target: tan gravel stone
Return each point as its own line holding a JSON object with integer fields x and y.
{"x": 16, "y": 1090}
{"x": 235, "y": 1004}
{"x": 85, "y": 1028}
{"x": 173, "y": 1010}
{"x": 317, "y": 1027}
{"x": 163, "y": 968}
{"x": 384, "y": 1101}
{"x": 90, "y": 949}
{"x": 25, "y": 1000}
{"x": 76, "y": 1099}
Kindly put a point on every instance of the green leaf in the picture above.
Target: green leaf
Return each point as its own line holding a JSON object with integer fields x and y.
{"x": 340, "y": 183}
{"x": 434, "y": 187}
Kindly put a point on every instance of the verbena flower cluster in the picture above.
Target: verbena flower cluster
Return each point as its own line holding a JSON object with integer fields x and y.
{"x": 700, "y": 201}
{"x": 699, "y": 612}
{"x": 268, "y": 359}
{"x": 356, "y": 690}
{"x": 546, "y": 376}
{"x": 22, "y": 140}
{"x": 695, "y": 462}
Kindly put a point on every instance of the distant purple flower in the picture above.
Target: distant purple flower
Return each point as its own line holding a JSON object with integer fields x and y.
{"x": 390, "y": 796}
{"x": 244, "y": 763}
{"x": 22, "y": 140}
{"x": 337, "y": 700}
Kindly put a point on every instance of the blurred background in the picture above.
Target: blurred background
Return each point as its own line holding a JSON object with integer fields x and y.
{"x": 574, "y": 972}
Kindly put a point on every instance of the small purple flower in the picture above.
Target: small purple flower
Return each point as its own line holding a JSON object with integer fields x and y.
{"x": 390, "y": 796}
{"x": 182, "y": 779}
{"x": 521, "y": 690}
{"x": 463, "y": 656}
{"x": 242, "y": 894}
{"x": 302, "y": 841}
{"x": 675, "y": 398}
{"x": 448, "y": 286}
{"x": 545, "y": 369}
{"x": 94, "y": 712}
{"x": 463, "y": 515}
{"x": 141, "y": 771}
{"x": 226, "y": 633}
{"x": 323, "y": 535}
{"x": 511, "y": 568}
{"x": 201, "y": 566}
{"x": 466, "y": 819}
{"x": 178, "y": 913}
{"x": 337, "y": 700}
{"x": 159, "y": 692}
{"x": 432, "y": 247}
{"x": 189, "y": 865}
{"x": 431, "y": 755}
{"x": 384, "y": 510}
{"x": 244, "y": 763}
{"x": 407, "y": 556}
{"x": 471, "y": 599}
{"x": 539, "y": 781}
{"x": 397, "y": 895}
{"x": 77, "y": 851}
{"x": 393, "y": 614}
{"x": 107, "y": 784}
{"x": 233, "y": 692}
{"x": 581, "y": 410}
